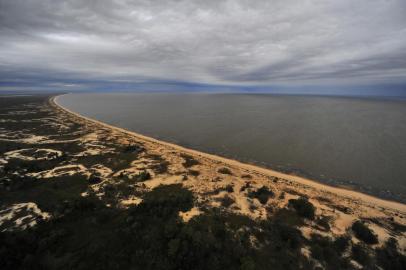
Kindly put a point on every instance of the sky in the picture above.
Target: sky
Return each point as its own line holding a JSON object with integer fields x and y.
{"x": 247, "y": 45}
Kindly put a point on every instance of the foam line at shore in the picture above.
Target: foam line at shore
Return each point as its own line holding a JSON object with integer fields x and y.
{"x": 248, "y": 167}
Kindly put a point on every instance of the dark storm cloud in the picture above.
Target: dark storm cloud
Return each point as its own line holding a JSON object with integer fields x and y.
{"x": 248, "y": 43}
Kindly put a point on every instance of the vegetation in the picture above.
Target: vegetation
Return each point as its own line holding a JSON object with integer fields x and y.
{"x": 303, "y": 207}
{"x": 189, "y": 161}
{"x": 161, "y": 167}
{"x": 94, "y": 179}
{"x": 226, "y": 201}
{"x": 133, "y": 148}
{"x": 341, "y": 244}
{"x": 324, "y": 250}
{"x": 361, "y": 255}
{"x": 194, "y": 172}
{"x": 388, "y": 257}
{"x": 225, "y": 170}
{"x": 229, "y": 188}
{"x": 262, "y": 194}
{"x": 150, "y": 236}
{"x": 363, "y": 233}
{"x": 324, "y": 223}
{"x": 245, "y": 186}
{"x": 143, "y": 176}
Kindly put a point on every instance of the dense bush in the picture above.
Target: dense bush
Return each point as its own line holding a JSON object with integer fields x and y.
{"x": 229, "y": 188}
{"x": 168, "y": 199}
{"x": 361, "y": 255}
{"x": 226, "y": 201}
{"x": 160, "y": 167}
{"x": 288, "y": 217}
{"x": 363, "y": 233}
{"x": 133, "y": 148}
{"x": 341, "y": 243}
{"x": 324, "y": 222}
{"x": 194, "y": 172}
{"x": 94, "y": 179}
{"x": 324, "y": 250}
{"x": 152, "y": 236}
{"x": 262, "y": 194}
{"x": 189, "y": 161}
{"x": 245, "y": 186}
{"x": 224, "y": 170}
{"x": 388, "y": 257}
{"x": 143, "y": 176}
{"x": 303, "y": 207}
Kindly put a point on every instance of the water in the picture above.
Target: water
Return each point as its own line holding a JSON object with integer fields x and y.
{"x": 359, "y": 143}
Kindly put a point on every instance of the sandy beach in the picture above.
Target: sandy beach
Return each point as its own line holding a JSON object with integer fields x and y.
{"x": 341, "y": 206}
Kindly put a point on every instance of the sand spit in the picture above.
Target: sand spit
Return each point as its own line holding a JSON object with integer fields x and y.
{"x": 226, "y": 183}
{"x": 248, "y": 168}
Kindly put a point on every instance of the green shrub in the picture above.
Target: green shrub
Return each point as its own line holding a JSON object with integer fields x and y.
{"x": 324, "y": 222}
{"x": 303, "y": 207}
{"x": 167, "y": 199}
{"x": 224, "y": 170}
{"x": 244, "y": 187}
{"x": 143, "y": 176}
{"x": 360, "y": 254}
{"x": 226, "y": 201}
{"x": 161, "y": 167}
{"x": 363, "y": 233}
{"x": 388, "y": 257}
{"x": 262, "y": 194}
{"x": 194, "y": 172}
{"x": 341, "y": 243}
{"x": 229, "y": 188}
{"x": 288, "y": 217}
{"x": 133, "y": 148}
{"x": 323, "y": 249}
{"x": 189, "y": 161}
{"x": 94, "y": 180}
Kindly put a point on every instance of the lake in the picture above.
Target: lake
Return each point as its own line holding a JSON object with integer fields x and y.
{"x": 359, "y": 143}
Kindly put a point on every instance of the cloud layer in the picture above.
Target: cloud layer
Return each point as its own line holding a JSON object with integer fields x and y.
{"x": 242, "y": 42}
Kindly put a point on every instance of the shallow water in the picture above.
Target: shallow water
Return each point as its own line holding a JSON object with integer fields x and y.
{"x": 360, "y": 143}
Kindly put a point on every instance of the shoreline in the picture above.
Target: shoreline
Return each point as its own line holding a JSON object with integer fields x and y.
{"x": 347, "y": 193}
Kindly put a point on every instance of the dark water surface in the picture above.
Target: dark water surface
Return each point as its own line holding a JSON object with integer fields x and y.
{"x": 355, "y": 142}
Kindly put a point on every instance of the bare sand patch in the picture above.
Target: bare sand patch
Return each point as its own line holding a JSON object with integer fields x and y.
{"x": 21, "y": 215}
{"x": 23, "y": 137}
{"x": 33, "y": 154}
{"x": 132, "y": 172}
{"x": 157, "y": 181}
{"x": 186, "y": 216}
{"x": 100, "y": 170}
{"x": 66, "y": 170}
{"x": 133, "y": 200}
